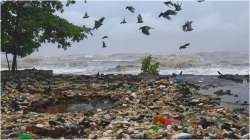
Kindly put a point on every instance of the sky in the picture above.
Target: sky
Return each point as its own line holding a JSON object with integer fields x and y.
{"x": 218, "y": 26}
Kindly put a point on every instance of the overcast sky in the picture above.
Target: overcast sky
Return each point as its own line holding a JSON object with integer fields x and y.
{"x": 218, "y": 26}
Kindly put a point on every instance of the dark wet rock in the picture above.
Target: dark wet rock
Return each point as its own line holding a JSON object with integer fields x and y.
{"x": 235, "y": 78}
{"x": 221, "y": 92}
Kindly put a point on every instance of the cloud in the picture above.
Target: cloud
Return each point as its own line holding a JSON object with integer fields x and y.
{"x": 218, "y": 26}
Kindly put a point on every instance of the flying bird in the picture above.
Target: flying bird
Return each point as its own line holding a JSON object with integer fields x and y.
{"x": 177, "y": 7}
{"x": 169, "y": 3}
{"x": 85, "y": 1}
{"x": 145, "y": 29}
{"x": 200, "y": 0}
{"x": 98, "y": 23}
{"x": 103, "y": 44}
{"x": 139, "y": 19}
{"x": 104, "y": 37}
{"x": 187, "y": 26}
{"x": 86, "y": 15}
{"x": 131, "y": 9}
{"x": 184, "y": 46}
{"x": 123, "y": 21}
{"x": 167, "y": 14}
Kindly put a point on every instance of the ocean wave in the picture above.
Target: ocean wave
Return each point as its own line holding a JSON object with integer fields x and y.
{"x": 197, "y": 63}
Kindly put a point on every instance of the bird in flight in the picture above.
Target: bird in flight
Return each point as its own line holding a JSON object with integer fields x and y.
{"x": 104, "y": 37}
{"x": 145, "y": 29}
{"x": 167, "y": 14}
{"x": 177, "y": 7}
{"x": 103, "y": 44}
{"x": 184, "y": 46}
{"x": 131, "y": 9}
{"x": 98, "y": 23}
{"x": 123, "y": 21}
{"x": 85, "y": 1}
{"x": 200, "y": 0}
{"x": 169, "y": 3}
{"x": 139, "y": 19}
{"x": 86, "y": 15}
{"x": 187, "y": 27}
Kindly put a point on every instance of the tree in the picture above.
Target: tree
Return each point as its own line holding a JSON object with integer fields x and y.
{"x": 25, "y": 25}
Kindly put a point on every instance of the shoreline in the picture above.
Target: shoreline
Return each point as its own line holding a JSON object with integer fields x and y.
{"x": 118, "y": 106}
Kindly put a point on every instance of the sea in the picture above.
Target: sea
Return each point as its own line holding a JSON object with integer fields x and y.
{"x": 202, "y": 63}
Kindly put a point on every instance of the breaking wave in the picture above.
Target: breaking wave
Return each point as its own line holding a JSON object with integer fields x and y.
{"x": 197, "y": 63}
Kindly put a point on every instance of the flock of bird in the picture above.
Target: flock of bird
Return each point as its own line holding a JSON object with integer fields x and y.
{"x": 175, "y": 7}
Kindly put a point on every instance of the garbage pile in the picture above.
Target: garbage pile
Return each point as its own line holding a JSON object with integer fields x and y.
{"x": 114, "y": 106}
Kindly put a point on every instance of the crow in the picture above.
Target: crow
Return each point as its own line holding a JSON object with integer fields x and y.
{"x": 187, "y": 26}
{"x": 145, "y": 29}
{"x": 123, "y": 21}
{"x": 131, "y": 9}
{"x": 139, "y": 19}
{"x": 98, "y": 23}
{"x": 184, "y": 46}
{"x": 200, "y": 0}
{"x": 103, "y": 44}
{"x": 180, "y": 73}
{"x": 177, "y": 7}
{"x": 86, "y": 15}
{"x": 164, "y": 15}
{"x": 219, "y": 73}
{"x": 167, "y": 14}
{"x": 104, "y": 37}
{"x": 169, "y": 3}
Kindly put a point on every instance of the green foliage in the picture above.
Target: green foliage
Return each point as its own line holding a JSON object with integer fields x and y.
{"x": 28, "y": 24}
{"x": 148, "y": 68}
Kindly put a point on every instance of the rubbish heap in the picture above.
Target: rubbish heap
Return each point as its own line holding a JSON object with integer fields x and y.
{"x": 114, "y": 106}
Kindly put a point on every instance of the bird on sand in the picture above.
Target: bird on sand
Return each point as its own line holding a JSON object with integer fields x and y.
{"x": 86, "y": 15}
{"x": 104, "y": 37}
{"x": 98, "y": 23}
{"x": 184, "y": 46}
{"x": 130, "y": 8}
{"x": 145, "y": 29}
{"x": 167, "y": 14}
{"x": 169, "y": 3}
{"x": 123, "y": 21}
{"x": 104, "y": 44}
{"x": 177, "y": 7}
{"x": 187, "y": 26}
{"x": 139, "y": 19}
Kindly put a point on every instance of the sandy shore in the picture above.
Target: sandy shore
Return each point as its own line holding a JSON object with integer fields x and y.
{"x": 44, "y": 105}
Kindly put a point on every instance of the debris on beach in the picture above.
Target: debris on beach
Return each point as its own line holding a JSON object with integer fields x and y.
{"x": 113, "y": 106}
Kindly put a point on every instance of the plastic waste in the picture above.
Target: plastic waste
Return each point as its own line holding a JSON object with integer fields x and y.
{"x": 182, "y": 136}
{"x": 155, "y": 128}
{"x": 180, "y": 80}
{"x": 25, "y": 136}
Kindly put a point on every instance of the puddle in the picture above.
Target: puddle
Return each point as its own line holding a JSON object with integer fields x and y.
{"x": 210, "y": 84}
{"x": 87, "y": 106}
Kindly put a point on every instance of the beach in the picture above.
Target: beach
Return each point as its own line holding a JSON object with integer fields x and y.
{"x": 47, "y": 105}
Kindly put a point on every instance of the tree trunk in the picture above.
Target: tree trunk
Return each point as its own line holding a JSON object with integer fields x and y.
{"x": 14, "y": 63}
{"x": 7, "y": 61}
